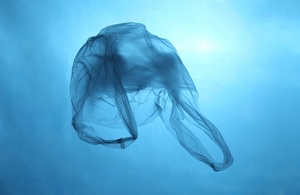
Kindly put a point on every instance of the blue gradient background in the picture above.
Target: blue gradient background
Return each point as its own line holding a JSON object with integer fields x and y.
{"x": 244, "y": 57}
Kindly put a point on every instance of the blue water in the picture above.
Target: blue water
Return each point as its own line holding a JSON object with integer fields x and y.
{"x": 244, "y": 57}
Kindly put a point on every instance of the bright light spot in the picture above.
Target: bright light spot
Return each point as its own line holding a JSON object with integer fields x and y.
{"x": 205, "y": 45}
{"x": 198, "y": 46}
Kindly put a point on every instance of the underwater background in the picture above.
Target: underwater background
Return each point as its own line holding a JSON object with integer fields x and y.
{"x": 244, "y": 57}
